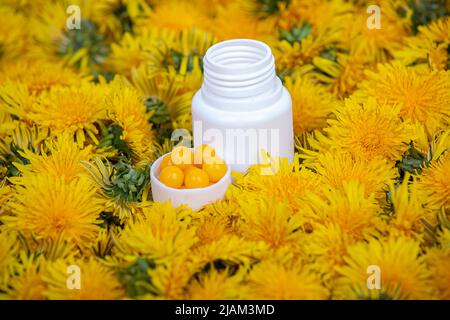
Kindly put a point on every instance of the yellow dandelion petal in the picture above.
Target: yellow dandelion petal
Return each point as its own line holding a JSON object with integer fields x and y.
{"x": 211, "y": 229}
{"x": 230, "y": 249}
{"x": 320, "y": 13}
{"x": 47, "y": 207}
{"x": 433, "y": 185}
{"x": 15, "y": 100}
{"x": 73, "y": 109}
{"x": 7, "y": 255}
{"x": 327, "y": 246}
{"x": 126, "y": 108}
{"x": 172, "y": 278}
{"x": 343, "y": 75}
{"x": 337, "y": 168}
{"x": 368, "y": 130}
{"x": 438, "y": 262}
{"x": 166, "y": 88}
{"x": 217, "y": 285}
{"x": 162, "y": 232}
{"x": 422, "y": 96}
{"x": 175, "y": 15}
{"x": 62, "y": 160}
{"x": 39, "y": 75}
{"x": 402, "y": 269}
{"x": 27, "y": 282}
{"x": 437, "y": 30}
{"x": 311, "y": 104}
{"x": 408, "y": 211}
{"x": 14, "y": 35}
{"x": 268, "y": 220}
{"x": 289, "y": 182}
{"x": 97, "y": 282}
{"x": 375, "y": 43}
{"x": 288, "y": 284}
{"x": 355, "y": 213}
{"x": 233, "y": 21}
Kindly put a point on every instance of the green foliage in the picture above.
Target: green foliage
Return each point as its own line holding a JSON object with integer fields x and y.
{"x": 177, "y": 58}
{"x": 128, "y": 182}
{"x": 136, "y": 278}
{"x": 160, "y": 118}
{"x": 121, "y": 13}
{"x": 108, "y": 220}
{"x": 268, "y": 7}
{"x": 87, "y": 37}
{"x": 7, "y": 161}
{"x": 296, "y": 34}
{"x": 425, "y": 11}
{"x": 330, "y": 53}
{"x": 160, "y": 111}
{"x": 111, "y": 138}
{"x": 413, "y": 161}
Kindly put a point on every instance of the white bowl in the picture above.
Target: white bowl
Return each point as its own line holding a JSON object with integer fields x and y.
{"x": 194, "y": 198}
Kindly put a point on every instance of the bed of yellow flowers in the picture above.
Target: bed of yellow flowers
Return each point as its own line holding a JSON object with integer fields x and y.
{"x": 85, "y": 110}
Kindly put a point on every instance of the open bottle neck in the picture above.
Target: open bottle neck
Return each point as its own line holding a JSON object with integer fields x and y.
{"x": 240, "y": 75}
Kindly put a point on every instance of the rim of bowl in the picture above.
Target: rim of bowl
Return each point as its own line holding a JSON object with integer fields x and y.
{"x": 157, "y": 181}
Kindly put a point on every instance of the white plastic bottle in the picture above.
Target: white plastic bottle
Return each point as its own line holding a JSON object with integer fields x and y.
{"x": 242, "y": 106}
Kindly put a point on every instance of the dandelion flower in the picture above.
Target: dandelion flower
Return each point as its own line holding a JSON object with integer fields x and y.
{"x": 15, "y": 100}
{"x": 268, "y": 220}
{"x": 420, "y": 51}
{"x": 327, "y": 246}
{"x": 368, "y": 130}
{"x": 337, "y": 168}
{"x": 163, "y": 93}
{"x": 211, "y": 229}
{"x": 311, "y": 104}
{"x": 39, "y": 75}
{"x": 288, "y": 284}
{"x": 27, "y": 283}
{"x": 343, "y": 75}
{"x": 408, "y": 211}
{"x": 127, "y": 109}
{"x": 230, "y": 249}
{"x": 437, "y": 30}
{"x": 217, "y": 285}
{"x": 124, "y": 188}
{"x": 433, "y": 186}
{"x": 73, "y": 109}
{"x": 63, "y": 158}
{"x": 321, "y": 14}
{"x": 233, "y": 22}
{"x": 286, "y": 182}
{"x": 438, "y": 261}
{"x": 175, "y": 15}
{"x": 161, "y": 233}
{"x": 422, "y": 96}
{"x": 97, "y": 282}
{"x": 172, "y": 278}
{"x": 83, "y": 47}
{"x": 48, "y": 207}
{"x": 7, "y": 255}
{"x": 291, "y": 57}
{"x": 403, "y": 271}
{"x": 377, "y": 44}
{"x": 356, "y": 214}
{"x": 14, "y": 35}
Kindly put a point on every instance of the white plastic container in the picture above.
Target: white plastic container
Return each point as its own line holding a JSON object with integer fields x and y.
{"x": 194, "y": 198}
{"x": 242, "y": 106}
